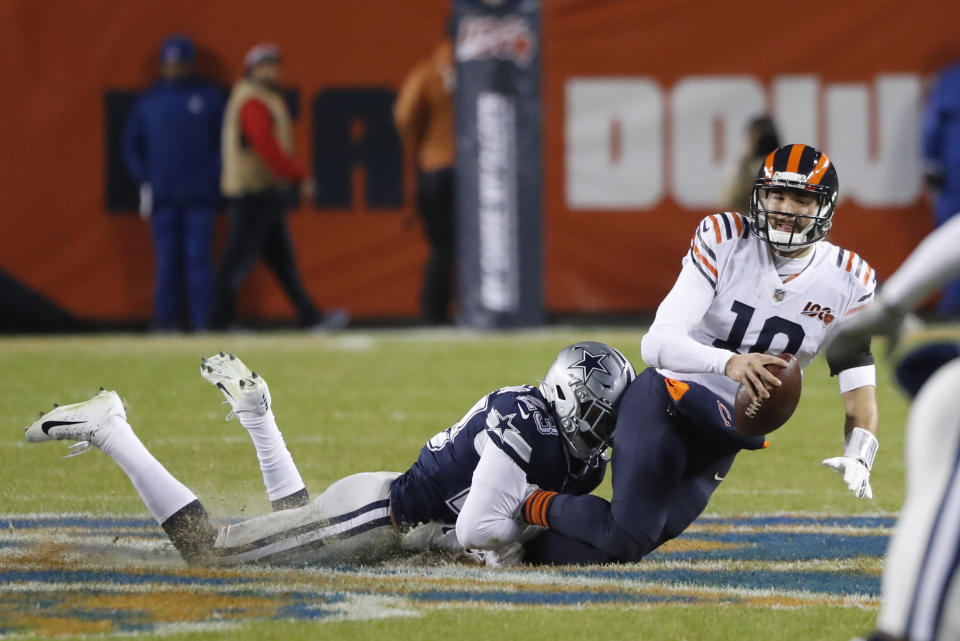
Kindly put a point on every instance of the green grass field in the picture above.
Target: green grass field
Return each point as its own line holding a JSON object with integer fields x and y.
{"x": 367, "y": 401}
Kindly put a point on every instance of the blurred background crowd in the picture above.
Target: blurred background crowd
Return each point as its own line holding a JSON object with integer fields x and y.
{"x": 180, "y": 168}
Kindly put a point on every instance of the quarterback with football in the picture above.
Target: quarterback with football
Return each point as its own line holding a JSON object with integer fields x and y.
{"x": 751, "y": 286}
{"x": 463, "y": 492}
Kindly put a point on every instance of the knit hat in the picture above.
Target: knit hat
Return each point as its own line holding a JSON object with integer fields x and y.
{"x": 260, "y": 53}
{"x": 177, "y": 48}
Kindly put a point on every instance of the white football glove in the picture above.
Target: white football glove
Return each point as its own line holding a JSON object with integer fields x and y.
{"x": 855, "y": 474}
{"x": 857, "y": 460}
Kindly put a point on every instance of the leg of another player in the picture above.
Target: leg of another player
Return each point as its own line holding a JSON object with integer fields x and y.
{"x": 241, "y": 250}
{"x": 165, "y": 226}
{"x": 172, "y": 504}
{"x": 198, "y": 259}
{"x": 281, "y": 478}
{"x": 349, "y": 522}
{"x": 102, "y": 421}
{"x": 921, "y": 590}
{"x": 249, "y": 396}
{"x": 648, "y": 465}
{"x": 279, "y": 255}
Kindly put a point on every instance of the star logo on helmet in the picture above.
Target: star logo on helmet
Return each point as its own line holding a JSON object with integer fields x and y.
{"x": 590, "y": 363}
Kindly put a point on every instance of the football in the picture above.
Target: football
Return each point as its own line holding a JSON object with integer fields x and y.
{"x": 764, "y": 416}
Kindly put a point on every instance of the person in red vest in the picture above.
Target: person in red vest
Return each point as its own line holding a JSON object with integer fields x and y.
{"x": 259, "y": 172}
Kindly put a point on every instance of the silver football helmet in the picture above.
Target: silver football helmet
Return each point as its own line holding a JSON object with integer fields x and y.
{"x": 583, "y": 389}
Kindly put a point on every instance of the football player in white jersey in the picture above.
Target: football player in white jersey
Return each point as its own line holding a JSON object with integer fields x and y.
{"x": 750, "y": 287}
{"x": 921, "y": 590}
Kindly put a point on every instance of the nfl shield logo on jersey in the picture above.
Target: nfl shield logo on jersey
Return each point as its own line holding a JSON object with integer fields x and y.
{"x": 778, "y": 295}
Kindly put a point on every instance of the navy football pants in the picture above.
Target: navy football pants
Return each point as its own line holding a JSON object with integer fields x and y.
{"x": 664, "y": 471}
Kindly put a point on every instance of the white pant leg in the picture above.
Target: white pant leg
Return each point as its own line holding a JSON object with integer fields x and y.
{"x": 349, "y": 522}
{"x": 921, "y": 560}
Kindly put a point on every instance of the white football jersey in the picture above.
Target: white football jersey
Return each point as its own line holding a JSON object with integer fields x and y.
{"x": 754, "y": 310}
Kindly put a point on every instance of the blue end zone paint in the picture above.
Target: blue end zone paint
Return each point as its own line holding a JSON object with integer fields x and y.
{"x": 548, "y": 598}
{"x": 839, "y": 583}
{"x": 117, "y": 578}
{"x": 822, "y": 521}
{"x": 779, "y": 546}
{"x": 698, "y": 568}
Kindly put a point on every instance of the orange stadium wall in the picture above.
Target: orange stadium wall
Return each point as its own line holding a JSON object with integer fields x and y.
{"x": 643, "y": 108}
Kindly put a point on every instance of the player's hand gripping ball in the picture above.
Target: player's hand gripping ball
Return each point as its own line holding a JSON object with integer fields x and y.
{"x": 756, "y": 418}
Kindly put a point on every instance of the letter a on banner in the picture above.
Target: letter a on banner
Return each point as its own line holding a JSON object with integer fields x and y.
{"x": 498, "y": 183}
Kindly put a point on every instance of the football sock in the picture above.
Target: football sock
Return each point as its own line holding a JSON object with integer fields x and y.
{"x": 163, "y": 494}
{"x": 297, "y": 499}
{"x": 280, "y": 474}
{"x": 191, "y": 533}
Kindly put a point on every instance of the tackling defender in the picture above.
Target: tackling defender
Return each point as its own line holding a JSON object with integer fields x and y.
{"x": 749, "y": 287}
{"x": 921, "y": 591}
{"x": 466, "y": 486}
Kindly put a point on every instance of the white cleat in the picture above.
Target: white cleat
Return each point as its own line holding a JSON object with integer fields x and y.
{"x": 245, "y": 391}
{"x": 86, "y": 422}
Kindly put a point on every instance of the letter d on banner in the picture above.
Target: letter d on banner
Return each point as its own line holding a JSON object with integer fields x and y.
{"x": 497, "y": 47}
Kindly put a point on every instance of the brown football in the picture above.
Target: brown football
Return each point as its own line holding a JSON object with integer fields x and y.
{"x": 762, "y": 417}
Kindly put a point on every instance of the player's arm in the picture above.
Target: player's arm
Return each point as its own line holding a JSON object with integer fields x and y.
{"x": 860, "y": 441}
{"x": 857, "y": 375}
{"x": 669, "y": 344}
{"x": 934, "y": 262}
{"x": 498, "y": 488}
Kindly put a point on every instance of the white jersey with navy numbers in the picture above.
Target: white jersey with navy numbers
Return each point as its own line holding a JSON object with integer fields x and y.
{"x": 750, "y": 308}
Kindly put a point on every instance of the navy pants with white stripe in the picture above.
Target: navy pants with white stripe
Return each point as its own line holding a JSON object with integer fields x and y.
{"x": 921, "y": 582}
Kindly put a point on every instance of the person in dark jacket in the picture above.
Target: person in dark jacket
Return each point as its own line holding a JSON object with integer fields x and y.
{"x": 171, "y": 146}
{"x": 941, "y": 155}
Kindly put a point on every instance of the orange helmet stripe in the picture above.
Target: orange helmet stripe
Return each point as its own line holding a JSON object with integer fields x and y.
{"x": 793, "y": 162}
{"x": 768, "y": 165}
{"x": 817, "y": 174}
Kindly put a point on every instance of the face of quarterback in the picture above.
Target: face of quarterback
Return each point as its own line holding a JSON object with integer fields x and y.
{"x": 790, "y": 203}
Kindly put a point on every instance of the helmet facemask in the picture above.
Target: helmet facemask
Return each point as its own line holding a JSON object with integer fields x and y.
{"x": 797, "y": 169}
{"x": 588, "y": 429}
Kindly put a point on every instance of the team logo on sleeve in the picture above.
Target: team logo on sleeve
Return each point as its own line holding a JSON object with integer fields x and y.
{"x": 590, "y": 363}
{"x": 502, "y": 426}
{"x": 814, "y": 310}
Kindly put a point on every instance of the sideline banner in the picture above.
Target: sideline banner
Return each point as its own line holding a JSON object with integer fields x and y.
{"x": 498, "y": 163}
{"x": 632, "y": 110}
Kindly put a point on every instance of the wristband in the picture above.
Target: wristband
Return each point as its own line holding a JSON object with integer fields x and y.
{"x": 536, "y": 506}
{"x": 861, "y": 445}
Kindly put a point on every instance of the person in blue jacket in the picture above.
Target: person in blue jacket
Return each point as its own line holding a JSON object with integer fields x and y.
{"x": 941, "y": 154}
{"x": 171, "y": 147}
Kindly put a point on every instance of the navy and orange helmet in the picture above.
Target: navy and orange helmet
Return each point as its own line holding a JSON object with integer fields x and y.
{"x": 802, "y": 168}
